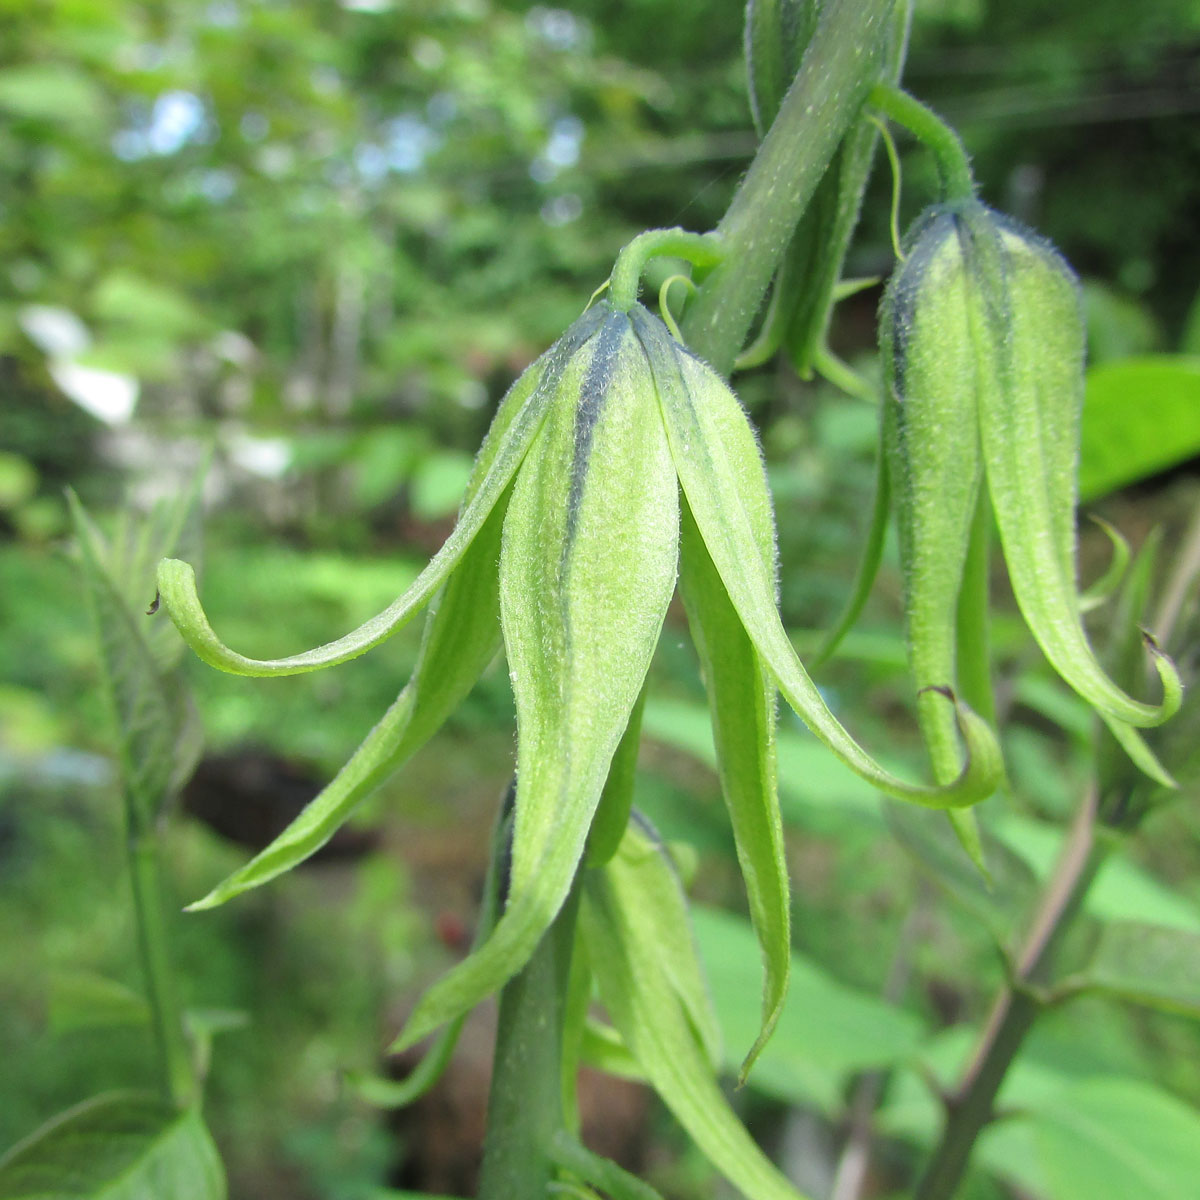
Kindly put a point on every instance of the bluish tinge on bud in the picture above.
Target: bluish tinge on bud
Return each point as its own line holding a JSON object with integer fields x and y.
{"x": 983, "y": 342}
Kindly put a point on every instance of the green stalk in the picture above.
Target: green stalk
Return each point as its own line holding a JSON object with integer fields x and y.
{"x": 839, "y": 66}
{"x": 175, "y": 1065}
{"x": 525, "y": 1108}
{"x": 927, "y": 127}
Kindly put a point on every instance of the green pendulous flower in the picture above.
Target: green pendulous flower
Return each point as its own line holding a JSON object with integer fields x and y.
{"x": 983, "y": 343}
{"x": 618, "y": 458}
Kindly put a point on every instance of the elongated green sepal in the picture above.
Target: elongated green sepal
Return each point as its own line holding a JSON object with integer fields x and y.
{"x": 518, "y": 424}
{"x": 644, "y": 1004}
{"x": 1028, "y": 335}
{"x": 462, "y": 635}
{"x": 931, "y": 434}
{"x": 720, "y": 490}
{"x": 741, "y": 699}
{"x": 587, "y": 569}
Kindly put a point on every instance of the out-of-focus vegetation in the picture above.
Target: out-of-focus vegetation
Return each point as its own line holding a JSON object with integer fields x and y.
{"x": 323, "y": 238}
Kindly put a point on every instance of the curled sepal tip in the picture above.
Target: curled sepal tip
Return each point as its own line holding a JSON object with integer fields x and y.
{"x": 517, "y": 423}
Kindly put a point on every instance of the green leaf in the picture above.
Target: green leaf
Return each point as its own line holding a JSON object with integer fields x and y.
{"x": 1122, "y": 890}
{"x": 1148, "y": 964}
{"x": 147, "y": 712}
{"x": 741, "y": 700}
{"x": 1113, "y": 1139}
{"x": 517, "y": 425}
{"x": 827, "y": 1031}
{"x": 722, "y": 491}
{"x": 116, "y": 1147}
{"x": 1140, "y": 416}
{"x": 50, "y": 92}
{"x": 1002, "y": 900}
{"x": 84, "y": 1000}
{"x": 438, "y": 483}
{"x": 587, "y": 568}
{"x": 644, "y": 1005}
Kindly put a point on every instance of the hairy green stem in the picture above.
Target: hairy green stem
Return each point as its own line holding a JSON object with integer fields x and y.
{"x": 839, "y": 66}
{"x": 927, "y": 127}
{"x": 700, "y": 249}
{"x": 971, "y": 1107}
{"x": 175, "y": 1065}
{"x": 525, "y": 1108}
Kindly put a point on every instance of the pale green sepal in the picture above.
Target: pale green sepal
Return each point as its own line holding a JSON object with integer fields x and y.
{"x": 462, "y": 635}
{"x": 652, "y": 887}
{"x": 587, "y": 569}
{"x": 1029, "y": 415}
{"x": 741, "y": 699}
{"x": 1103, "y": 588}
{"x": 643, "y": 1004}
{"x": 1140, "y": 754}
{"x": 691, "y": 393}
{"x": 489, "y": 968}
{"x": 616, "y": 800}
{"x": 966, "y": 829}
{"x": 516, "y": 426}
{"x": 603, "y": 1050}
{"x": 931, "y": 434}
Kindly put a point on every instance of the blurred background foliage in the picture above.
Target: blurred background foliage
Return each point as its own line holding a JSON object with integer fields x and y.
{"x": 323, "y": 238}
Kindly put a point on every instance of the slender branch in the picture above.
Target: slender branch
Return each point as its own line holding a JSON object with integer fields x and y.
{"x": 927, "y": 127}
{"x": 840, "y": 64}
{"x": 971, "y": 1107}
{"x": 175, "y": 1064}
{"x": 525, "y": 1108}
{"x": 700, "y": 249}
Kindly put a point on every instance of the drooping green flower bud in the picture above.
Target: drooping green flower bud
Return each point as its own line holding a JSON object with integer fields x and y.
{"x": 983, "y": 342}
{"x": 613, "y": 442}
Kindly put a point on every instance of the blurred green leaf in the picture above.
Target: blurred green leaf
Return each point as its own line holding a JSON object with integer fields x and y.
{"x": 50, "y": 92}
{"x": 1140, "y": 416}
{"x": 1148, "y": 964}
{"x": 118, "y": 1147}
{"x": 438, "y": 484}
{"x": 1001, "y": 900}
{"x": 826, "y": 1031}
{"x": 84, "y": 1000}
{"x": 18, "y": 480}
{"x": 1122, "y": 891}
{"x": 1114, "y": 1139}
{"x": 1118, "y": 325}
{"x": 127, "y": 299}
